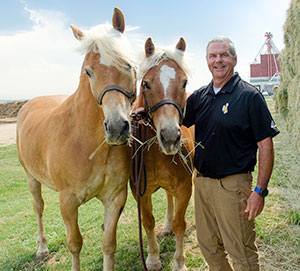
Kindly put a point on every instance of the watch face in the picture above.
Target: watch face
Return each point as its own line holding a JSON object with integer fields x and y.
{"x": 264, "y": 192}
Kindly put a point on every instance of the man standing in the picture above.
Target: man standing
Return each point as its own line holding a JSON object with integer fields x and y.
{"x": 231, "y": 121}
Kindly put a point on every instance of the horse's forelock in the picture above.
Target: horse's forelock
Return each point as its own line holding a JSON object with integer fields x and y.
{"x": 113, "y": 46}
{"x": 160, "y": 54}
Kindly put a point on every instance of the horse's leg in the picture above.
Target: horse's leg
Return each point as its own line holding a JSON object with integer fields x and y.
{"x": 113, "y": 210}
{"x": 38, "y": 206}
{"x": 182, "y": 198}
{"x": 153, "y": 261}
{"x": 69, "y": 205}
{"x": 167, "y": 229}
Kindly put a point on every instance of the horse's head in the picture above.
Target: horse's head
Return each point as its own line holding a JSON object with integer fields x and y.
{"x": 109, "y": 72}
{"x": 163, "y": 88}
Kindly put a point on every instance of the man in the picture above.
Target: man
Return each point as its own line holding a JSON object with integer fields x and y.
{"x": 231, "y": 121}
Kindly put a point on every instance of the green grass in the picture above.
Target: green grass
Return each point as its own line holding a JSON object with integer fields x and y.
{"x": 278, "y": 229}
{"x": 18, "y": 229}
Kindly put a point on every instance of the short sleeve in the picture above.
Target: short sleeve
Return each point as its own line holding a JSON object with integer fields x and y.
{"x": 262, "y": 123}
{"x": 189, "y": 118}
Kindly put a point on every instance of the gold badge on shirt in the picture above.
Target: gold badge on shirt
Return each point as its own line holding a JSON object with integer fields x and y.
{"x": 225, "y": 108}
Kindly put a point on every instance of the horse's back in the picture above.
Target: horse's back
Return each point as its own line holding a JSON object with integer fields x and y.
{"x": 39, "y": 107}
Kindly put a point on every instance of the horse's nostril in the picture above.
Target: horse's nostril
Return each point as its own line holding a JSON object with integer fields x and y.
{"x": 178, "y": 138}
{"x": 178, "y": 135}
{"x": 170, "y": 136}
{"x": 105, "y": 125}
{"x": 162, "y": 137}
{"x": 125, "y": 127}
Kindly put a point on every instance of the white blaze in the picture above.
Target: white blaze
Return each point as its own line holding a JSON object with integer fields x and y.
{"x": 102, "y": 61}
{"x": 166, "y": 74}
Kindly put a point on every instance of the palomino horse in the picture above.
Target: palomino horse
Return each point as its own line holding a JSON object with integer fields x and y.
{"x": 163, "y": 95}
{"x": 56, "y": 136}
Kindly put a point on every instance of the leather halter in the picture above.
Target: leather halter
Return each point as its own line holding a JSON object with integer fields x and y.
{"x": 161, "y": 103}
{"x": 117, "y": 88}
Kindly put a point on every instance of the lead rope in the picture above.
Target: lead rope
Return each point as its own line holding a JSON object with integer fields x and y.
{"x": 138, "y": 167}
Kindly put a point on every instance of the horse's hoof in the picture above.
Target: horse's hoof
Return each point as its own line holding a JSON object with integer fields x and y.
{"x": 183, "y": 268}
{"x": 42, "y": 255}
{"x": 153, "y": 263}
{"x": 166, "y": 232}
{"x": 179, "y": 267}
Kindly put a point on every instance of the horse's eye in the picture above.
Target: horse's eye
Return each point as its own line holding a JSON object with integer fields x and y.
{"x": 184, "y": 83}
{"x": 88, "y": 72}
{"x": 133, "y": 99}
{"x": 146, "y": 85}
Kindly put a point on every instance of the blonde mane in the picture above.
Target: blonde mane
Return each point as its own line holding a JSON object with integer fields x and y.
{"x": 162, "y": 54}
{"x": 113, "y": 46}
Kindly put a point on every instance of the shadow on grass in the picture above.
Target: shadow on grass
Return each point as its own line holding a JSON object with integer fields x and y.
{"x": 27, "y": 261}
{"x": 128, "y": 256}
{"x": 24, "y": 261}
{"x": 19, "y": 262}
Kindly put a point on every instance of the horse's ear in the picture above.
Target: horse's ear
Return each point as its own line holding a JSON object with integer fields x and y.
{"x": 181, "y": 45}
{"x": 118, "y": 20}
{"x": 149, "y": 47}
{"x": 77, "y": 32}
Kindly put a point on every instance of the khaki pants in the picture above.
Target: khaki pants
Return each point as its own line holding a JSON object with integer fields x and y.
{"x": 221, "y": 224}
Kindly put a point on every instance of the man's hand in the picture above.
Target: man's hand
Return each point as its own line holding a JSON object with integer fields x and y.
{"x": 255, "y": 205}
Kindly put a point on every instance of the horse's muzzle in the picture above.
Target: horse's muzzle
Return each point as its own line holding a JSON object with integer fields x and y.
{"x": 170, "y": 140}
{"x": 117, "y": 132}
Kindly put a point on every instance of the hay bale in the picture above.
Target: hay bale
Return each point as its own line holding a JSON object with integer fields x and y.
{"x": 10, "y": 110}
{"x": 288, "y": 93}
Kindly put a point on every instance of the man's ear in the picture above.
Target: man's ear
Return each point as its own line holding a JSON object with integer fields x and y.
{"x": 235, "y": 60}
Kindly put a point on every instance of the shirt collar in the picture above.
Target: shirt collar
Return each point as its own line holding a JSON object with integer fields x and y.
{"x": 228, "y": 87}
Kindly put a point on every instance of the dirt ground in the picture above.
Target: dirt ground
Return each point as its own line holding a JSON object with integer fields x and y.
{"x": 8, "y": 114}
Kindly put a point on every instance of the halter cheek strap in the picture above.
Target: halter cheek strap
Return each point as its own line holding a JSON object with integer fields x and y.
{"x": 116, "y": 88}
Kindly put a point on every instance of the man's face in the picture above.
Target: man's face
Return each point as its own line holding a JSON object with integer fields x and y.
{"x": 220, "y": 61}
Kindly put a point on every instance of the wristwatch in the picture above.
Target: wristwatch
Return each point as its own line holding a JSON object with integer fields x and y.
{"x": 263, "y": 192}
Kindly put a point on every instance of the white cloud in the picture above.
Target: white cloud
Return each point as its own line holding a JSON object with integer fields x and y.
{"x": 41, "y": 61}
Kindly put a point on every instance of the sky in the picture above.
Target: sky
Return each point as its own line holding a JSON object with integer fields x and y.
{"x": 38, "y": 50}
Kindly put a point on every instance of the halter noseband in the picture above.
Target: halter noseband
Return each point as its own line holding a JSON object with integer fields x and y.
{"x": 161, "y": 103}
{"x": 117, "y": 88}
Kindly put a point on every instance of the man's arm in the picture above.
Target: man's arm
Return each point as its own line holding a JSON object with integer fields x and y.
{"x": 255, "y": 203}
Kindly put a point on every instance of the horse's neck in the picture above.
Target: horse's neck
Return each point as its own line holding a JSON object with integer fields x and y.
{"x": 84, "y": 103}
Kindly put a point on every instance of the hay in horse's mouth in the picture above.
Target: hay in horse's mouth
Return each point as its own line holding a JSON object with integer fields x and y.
{"x": 186, "y": 160}
{"x": 148, "y": 142}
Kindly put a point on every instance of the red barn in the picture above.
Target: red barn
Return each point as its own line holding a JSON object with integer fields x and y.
{"x": 265, "y": 73}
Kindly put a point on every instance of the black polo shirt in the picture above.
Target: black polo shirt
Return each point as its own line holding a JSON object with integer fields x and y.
{"x": 228, "y": 125}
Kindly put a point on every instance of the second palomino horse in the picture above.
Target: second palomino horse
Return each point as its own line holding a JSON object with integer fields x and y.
{"x": 163, "y": 95}
{"x": 58, "y": 138}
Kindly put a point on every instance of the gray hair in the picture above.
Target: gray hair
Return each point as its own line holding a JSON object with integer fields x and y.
{"x": 223, "y": 39}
